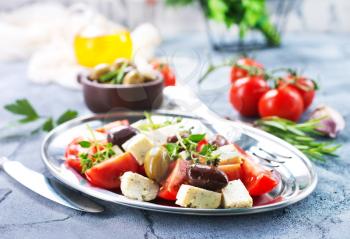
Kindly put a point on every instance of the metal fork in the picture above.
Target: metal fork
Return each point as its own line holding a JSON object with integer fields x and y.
{"x": 188, "y": 102}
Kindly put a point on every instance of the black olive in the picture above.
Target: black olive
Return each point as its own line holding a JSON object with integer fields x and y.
{"x": 174, "y": 139}
{"x": 207, "y": 177}
{"x": 119, "y": 135}
{"x": 219, "y": 141}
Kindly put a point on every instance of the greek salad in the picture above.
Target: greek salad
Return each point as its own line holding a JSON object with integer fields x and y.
{"x": 173, "y": 160}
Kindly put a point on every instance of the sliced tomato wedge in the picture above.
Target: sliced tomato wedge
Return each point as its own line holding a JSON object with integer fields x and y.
{"x": 72, "y": 154}
{"x": 257, "y": 179}
{"x": 107, "y": 173}
{"x": 109, "y": 126}
{"x": 175, "y": 179}
{"x": 232, "y": 171}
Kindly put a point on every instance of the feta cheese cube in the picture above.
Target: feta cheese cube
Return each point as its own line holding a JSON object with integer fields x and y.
{"x": 228, "y": 154}
{"x": 235, "y": 195}
{"x": 136, "y": 186}
{"x": 190, "y": 196}
{"x": 138, "y": 146}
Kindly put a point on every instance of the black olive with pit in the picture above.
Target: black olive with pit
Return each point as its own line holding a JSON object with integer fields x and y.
{"x": 119, "y": 135}
{"x": 207, "y": 177}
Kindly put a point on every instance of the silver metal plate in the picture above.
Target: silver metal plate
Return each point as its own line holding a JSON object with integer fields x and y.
{"x": 298, "y": 177}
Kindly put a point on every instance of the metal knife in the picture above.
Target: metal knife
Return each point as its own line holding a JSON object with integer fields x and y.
{"x": 48, "y": 188}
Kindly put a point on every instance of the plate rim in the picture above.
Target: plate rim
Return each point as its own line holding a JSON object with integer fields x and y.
{"x": 179, "y": 210}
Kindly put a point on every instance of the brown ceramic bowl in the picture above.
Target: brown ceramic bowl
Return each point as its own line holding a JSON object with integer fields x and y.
{"x": 102, "y": 98}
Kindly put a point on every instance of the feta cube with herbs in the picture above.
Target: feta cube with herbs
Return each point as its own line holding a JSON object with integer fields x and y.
{"x": 154, "y": 159}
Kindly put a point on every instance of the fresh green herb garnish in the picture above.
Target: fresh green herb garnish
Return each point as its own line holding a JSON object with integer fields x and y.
{"x": 85, "y": 162}
{"x": 98, "y": 151}
{"x": 196, "y": 137}
{"x": 189, "y": 145}
{"x": 151, "y": 125}
{"x": 303, "y": 136}
{"x": 24, "y": 108}
{"x": 173, "y": 150}
{"x": 85, "y": 144}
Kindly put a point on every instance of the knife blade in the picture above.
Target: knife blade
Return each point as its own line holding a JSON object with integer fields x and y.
{"x": 47, "y": 187}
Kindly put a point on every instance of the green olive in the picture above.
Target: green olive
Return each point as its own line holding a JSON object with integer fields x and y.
{"x": 133, "y": 77}
{"x": 156, "y": 163}
{"x": 117, "y": 64}
{"x": 99, "y": 71}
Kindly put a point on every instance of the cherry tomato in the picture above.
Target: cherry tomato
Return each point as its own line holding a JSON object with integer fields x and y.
{"x": 304, "y": 86}
{"x": 245, "y": 94}
{"x": 257, "y": 179}
{"x": 72, "y": 154}
{"x": 232, "y": 171}
{"x": 107, "y": 173}
{"x": 167, "y": 73}
{"x": 284, "y": 102}
{"x": 201, "y": 144}
{"x": 238, "y": 72}
{"x": 175, "y": 179}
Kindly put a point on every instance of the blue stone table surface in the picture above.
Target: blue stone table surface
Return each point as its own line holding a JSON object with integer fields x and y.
{"x": 324, "y": 214}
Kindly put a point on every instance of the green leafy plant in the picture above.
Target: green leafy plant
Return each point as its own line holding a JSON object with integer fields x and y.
{"x": 303, "y": 136}
{"x": 246, "y": 14}
{"x": 25, "y": 109}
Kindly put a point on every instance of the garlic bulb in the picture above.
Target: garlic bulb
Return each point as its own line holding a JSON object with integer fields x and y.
{"x": 331, "y": 121}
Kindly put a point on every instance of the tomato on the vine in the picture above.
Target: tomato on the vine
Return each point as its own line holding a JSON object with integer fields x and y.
{"x": 303, "y": 85}
{"x": 167, "y": 73}
{"x": 284, "y": 102}
{"x": 245, "y": 94}
{"x": 240, "y": 68}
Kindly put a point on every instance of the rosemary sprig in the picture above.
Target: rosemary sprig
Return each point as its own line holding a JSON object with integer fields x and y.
{"x": 303, "y": 136}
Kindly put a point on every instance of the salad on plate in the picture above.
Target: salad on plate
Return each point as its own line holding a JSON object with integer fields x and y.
{"x": 172, "y": 160}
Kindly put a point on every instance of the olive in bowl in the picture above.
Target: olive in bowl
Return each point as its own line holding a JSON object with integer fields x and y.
{"x": 121, "y": 86}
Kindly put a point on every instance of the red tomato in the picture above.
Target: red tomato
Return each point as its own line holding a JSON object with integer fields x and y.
{"x": 232, "y": 171}
{"x": 201, "y": 144}
{"x": 245, "y": 94}
{"x": 107, "y": 173}
{"x": 238, "y": 72}
{"x": 175, "y": 179}
{"x": 167, "y": 73}
{"x": 284, "y": 102}
{"x": 304, "y": 86}
{"x": 257, "y": 179}
{"x": 72, "y": 154}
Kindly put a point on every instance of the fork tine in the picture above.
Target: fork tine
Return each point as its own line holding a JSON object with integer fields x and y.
{"x": 269, "y": 161}
{"x": 275, "y": 155}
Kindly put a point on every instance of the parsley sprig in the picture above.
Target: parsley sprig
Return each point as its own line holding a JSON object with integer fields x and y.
{"x": 25, "y": 109}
